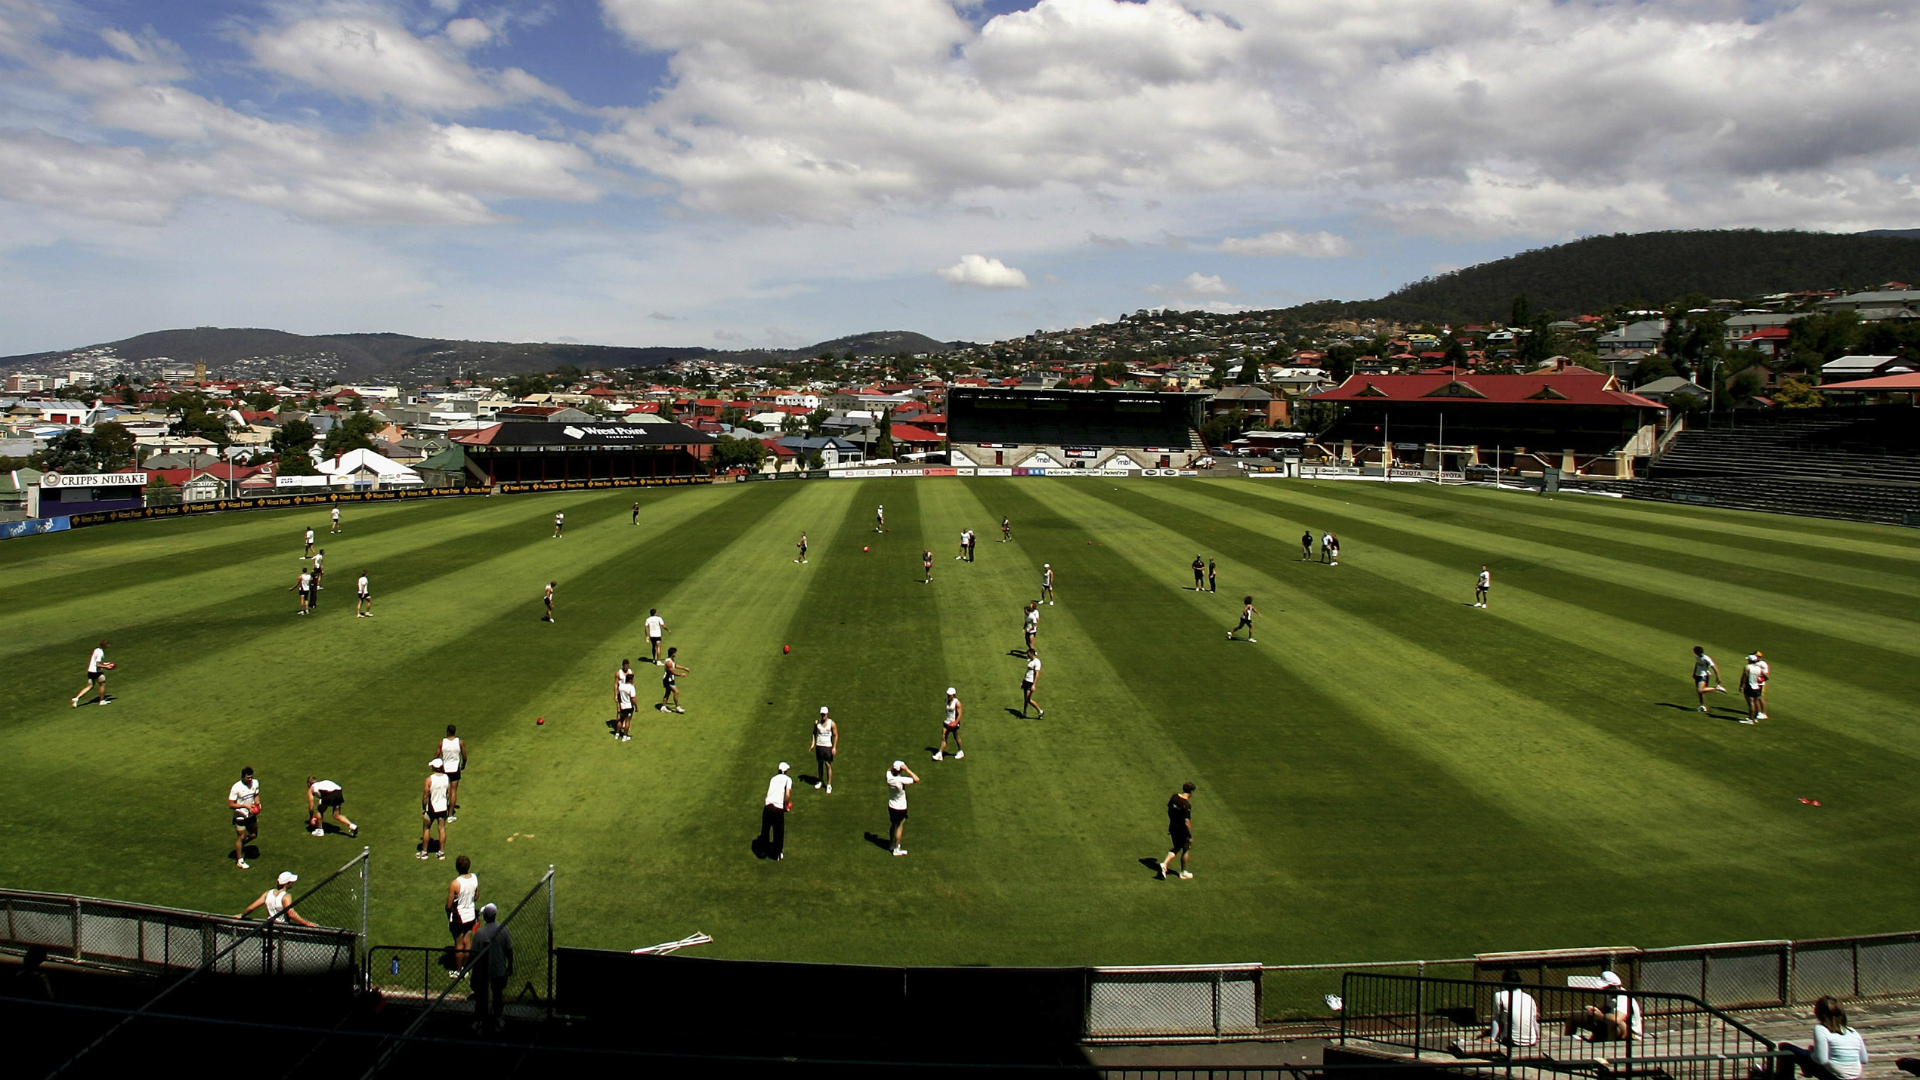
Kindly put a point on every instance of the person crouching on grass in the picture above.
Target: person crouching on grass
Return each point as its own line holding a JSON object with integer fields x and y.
{"x": 324, "y": 795}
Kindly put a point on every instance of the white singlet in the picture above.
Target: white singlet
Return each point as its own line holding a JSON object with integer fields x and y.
{"x": 466, "y": 887}
{"x": 450, "y": 748}
{"x": 437, "y": 792}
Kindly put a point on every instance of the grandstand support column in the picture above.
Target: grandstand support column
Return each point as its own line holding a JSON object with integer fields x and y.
{"x": 1623, "y": 464}
{"x": 1346, "y": 451}
{"x": 1567, "y": 466}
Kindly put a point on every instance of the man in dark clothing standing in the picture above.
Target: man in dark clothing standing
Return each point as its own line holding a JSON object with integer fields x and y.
{"x": 492, "y": 967}
{"x": 1179, "y": 831}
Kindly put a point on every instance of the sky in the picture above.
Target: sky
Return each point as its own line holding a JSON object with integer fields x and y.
{"x": 754, "y": 173}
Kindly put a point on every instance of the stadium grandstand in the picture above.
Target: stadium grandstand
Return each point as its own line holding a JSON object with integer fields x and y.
{"x": 1571, "y": 420}
{"x": 1074, "y": 429}
{"x": 525, "y": 451}
{"x": 1860, "y": 463}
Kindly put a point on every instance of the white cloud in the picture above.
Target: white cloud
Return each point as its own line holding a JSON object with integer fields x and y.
{"x": 1284, "y": 242}
{"x": 981, "y": 272}
{"x": 369, "y": 58}
{"x": 1195, "y": 286}
{"x": 469, "y": 33}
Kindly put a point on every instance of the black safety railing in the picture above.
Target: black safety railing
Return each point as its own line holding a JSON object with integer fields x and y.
{"x": 1605, "y": 1031}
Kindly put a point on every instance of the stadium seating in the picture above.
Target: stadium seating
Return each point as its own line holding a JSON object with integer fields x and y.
{"x": 1859, "y": 464}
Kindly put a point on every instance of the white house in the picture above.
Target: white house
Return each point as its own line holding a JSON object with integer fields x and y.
{"x": 366, "y": 465}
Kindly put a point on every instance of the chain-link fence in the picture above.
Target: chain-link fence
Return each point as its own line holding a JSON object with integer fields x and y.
{"x": 1173, "y": 1002}
{"x": 117, "y": 935}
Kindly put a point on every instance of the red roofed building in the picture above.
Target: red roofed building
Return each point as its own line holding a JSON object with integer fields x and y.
{"x": 1572, "y": 419}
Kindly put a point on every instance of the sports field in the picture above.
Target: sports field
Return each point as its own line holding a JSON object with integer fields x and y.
{"x": 1389, "y": 773}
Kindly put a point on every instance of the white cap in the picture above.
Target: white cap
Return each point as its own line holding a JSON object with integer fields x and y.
{"x": 951, "y": 691}
{"x": 823, "y": 710}
{"x": 1751, "y": 657}
{"x": 784, "y": 766}
{"x": 1046, "y": 566}
{"x": 899, "y": 765}
{"x": 288, "y": 877}
{"x": 1611, "y": 979}
{"x": 436, "y": 764}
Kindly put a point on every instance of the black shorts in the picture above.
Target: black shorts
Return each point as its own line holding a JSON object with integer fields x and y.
{"x": 1179, "y": 841}
{"x": 436, "y": 815}
{"x": 655, "y": 642}
{"x": 823, "y": 754}
{"x": 626, "y": 712}
{"x": 953, "y": 727}
{"x": 895, "y": 817}
{"x": 95, "y": 675}
{"x": 249, "y": 822}
{"x": 366, "y": 596}
{"x": 453, "y": 775}
{"x": 457, "y": 926}
{"x": 332, "y": 798}
{"x": 1026, "y": 688}
{"x": 667, "y": 684}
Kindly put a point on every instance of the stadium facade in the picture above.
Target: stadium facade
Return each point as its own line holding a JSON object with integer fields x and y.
{"x": 537, "y": 452}
{"x": 1074, "y": 429}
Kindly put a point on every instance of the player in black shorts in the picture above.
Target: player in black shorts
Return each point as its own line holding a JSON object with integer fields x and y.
{"x": 1179, "y": 832}
{"x": 926, "y": 563}
{"x": 670, "y": 682}
{"x": 1306, "y": 546}
{"x": 1199, "y": 573}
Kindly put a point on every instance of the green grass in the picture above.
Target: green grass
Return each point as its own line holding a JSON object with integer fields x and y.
{"x": 1389, "y": 773}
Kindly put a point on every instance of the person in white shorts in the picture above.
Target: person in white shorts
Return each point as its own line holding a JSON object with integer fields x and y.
{"x": 243, "y": 798}
{"x": 1481, "y": 585}
{"x": 559, "y": 522}
{"x": 278, "y": 901}
{"x": 656, "y": 629}
{"x": 324, "y": 795}
{"x": 363, "y": 598}
{"x": 826, "y": 745}
{"x": 1752, "y": 678}
{"x": 434, "y": 807}
{"x": 1706, "y": 676}
{"x": 453, "y": 760}
{"x": 97, "y": 668}
{"x": 898, "y": 777}
{"x": 951, "y": 726}
{"x": 462, "y": 912}
{"x": 1032, "y": 622}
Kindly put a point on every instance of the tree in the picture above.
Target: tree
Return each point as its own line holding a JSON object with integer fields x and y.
{"x": 129, "y": 395}
{"x": 1650, "y": 368}
{"x": 1522, "y": 314}
{"x": 666, "y": 409}
{"x": 815, "y": 461}
{"x": 112, "y": 446}
{"x": 790, "y": 424}
{"x": 884, "y": 446}
{"x": 1795, "y": 394}
{"x": 293, "y": 439}
{"x": 1249, "y": 370}
{"x": 261, "y": 401}
{"x": 523, "y": 386}
{"x": 352, "y": 432}
{"x": 730, "y": 453}
{"x": 816, "y": 419}
{"x": 1456, "y": 353}
{"x": 161, "y": 493}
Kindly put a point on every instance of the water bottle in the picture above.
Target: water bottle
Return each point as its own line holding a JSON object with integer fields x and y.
{"x": 396, "y": 966}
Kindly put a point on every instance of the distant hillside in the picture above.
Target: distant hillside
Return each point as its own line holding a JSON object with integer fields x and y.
{"x": 356, "y": 357}
{"x": 1903, "y": 234}
{"x": 1651, "y": 269}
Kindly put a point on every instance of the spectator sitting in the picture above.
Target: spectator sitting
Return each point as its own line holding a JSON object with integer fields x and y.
{"x": 1620, "y": 1020}
{"x": 1516, "y": 1015}
{"x": 31, "y": 982}
{"x": 1838, "y": 1051}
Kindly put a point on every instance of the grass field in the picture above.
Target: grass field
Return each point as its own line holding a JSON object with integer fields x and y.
{"x": 1388, "y": 773}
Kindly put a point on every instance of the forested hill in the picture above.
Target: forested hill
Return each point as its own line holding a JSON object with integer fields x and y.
{"x": 1653, "y": 269}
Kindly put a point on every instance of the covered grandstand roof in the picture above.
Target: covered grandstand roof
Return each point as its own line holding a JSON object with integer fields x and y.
{"x": 1568, "y": 386}
{"x": 601, "y": 434}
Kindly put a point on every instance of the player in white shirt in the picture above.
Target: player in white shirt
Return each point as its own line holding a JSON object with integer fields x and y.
{"x": 435, "y": 805}
{"x": 336, "y": 520}
{"x": 951, "y": 726}
{"x": 454, "y": 759}
{"x": 303, "y": 585}
{"x": 972, "y": 542}
{"x": 802, "y": 545}
{"x": 656, "y": 629}
{"x": 1766, "y": 676}
{"x": 1032, "y": 622}
{"x": 363, "y": 598}
{"x": 1482, "y": 584}
{"x": 1028, "y": 682}
{"x": 898, "y": 778}
{"x": 308, "y": 554}
{"x": 559, "y": 522}
{"x": 880, "y": 519}
{"x": 319, "y": 568}
{"x": 324, "y": 795}
{"x": 624, "y": 694}
{"x": 1326, "y": 547}
{"x": 278, "y": 901}
{"x": 1247, "y": 614}
{"x": 1006, "y": 529}
{"x": 1753, "y": 679}
{"x": 462, "y": 912}
{"x": 547, "y": 598}
{"x": 1046, "y": 583}
{"x": 243, "y": 798}
{"x": 826, "y": 744}
{"x": 1706, "y": 676}
{"x": 963, "y": 546}
{"x": 773, "y": 815}
{"x": 97, "y": 668}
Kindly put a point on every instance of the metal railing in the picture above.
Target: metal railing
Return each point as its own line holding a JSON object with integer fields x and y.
{"x": 1679, "y": 1036}
{"x": 148, "y": 939}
